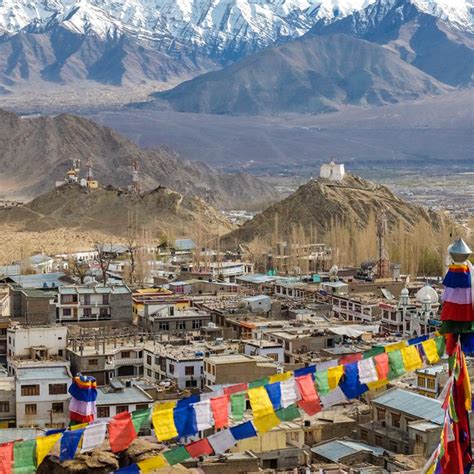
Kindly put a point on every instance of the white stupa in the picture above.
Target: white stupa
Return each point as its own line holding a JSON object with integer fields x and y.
{"x": 332, "y": 171}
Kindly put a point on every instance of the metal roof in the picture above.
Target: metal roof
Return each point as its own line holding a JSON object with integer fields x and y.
{"x": 43, "y": 373}
{"x": 7, "y": 270}
{"x": 184, "y": 244}
{"x": 126, "y": 396}
{"x": 43, "y": 280}
{"x": 256, "y": 278}
{"x": 339, "y": 449}
{"x": 254, "y": 299}
{"x": 412, "y": 404}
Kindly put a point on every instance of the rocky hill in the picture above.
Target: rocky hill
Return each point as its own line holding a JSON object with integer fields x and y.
{"x": 36, "y": 152}
{"x": 106, "y": 210}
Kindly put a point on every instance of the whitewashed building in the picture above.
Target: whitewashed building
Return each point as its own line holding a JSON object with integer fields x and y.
{"x": 332, "y": 171}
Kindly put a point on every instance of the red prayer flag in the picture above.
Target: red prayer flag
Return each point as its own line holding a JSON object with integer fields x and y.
{"x": 199, "y": 448}
{"x": 121, "y": 432}
{"x": 309, "y": 397}
{"x": 220, "y": 411}
{"x": 382, "y": 365}
{"x": 240, "y": 387}
{"x": 6, "y": 458}
{"x": 350, "y": 358}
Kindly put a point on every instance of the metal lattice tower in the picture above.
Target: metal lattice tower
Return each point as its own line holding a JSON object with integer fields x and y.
{"x": 383, "y": 261}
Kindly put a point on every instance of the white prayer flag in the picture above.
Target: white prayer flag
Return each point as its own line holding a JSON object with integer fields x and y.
{"x": 204, "y": 418}
{"x": 93, "y": 437}
{"x": 367, "y": 371}
{"x": 289, "y": 392}
{"x": 334, "y": 397}
{"x": 222, "y": 441}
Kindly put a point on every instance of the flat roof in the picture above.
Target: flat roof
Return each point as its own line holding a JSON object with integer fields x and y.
{"x": 235, "y": 359}
{"x": 127, "y": 395}
{"x": 43, "y": 373}
{"x": 339, "y": 449}
{"x": 41, "y": 280}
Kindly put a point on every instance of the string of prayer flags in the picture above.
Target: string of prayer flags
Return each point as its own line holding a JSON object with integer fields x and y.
{"x": 349, "y": 359}
{"x": 280, "y": 377}
{"x": 350, "y": 384}
{"x": 311, "y": 369}
{"x": 243, "y": 431}
{"x": 373, "y": 352}
{"x": 274, "y": 392}
{"x": 222, "y": 441}
{"x": 163, "y": 421}
{"x": 6, "y": 458}
{"x": 334, "y": 376}
{"x": 24, "y": 453}
{"x": 237, "y": 406}
{"x": 411, "y": 358}
{"x": 430, "y": 350}
{"x": 322, "y": 382}
{"x": 185, "y": 420}
{"x": 334, "y": 397}
{"x": 152, "y": 464}
{"x": 382, "y": 365}
{"x": 220, "y": 411}
{"x": 94, "y": 436}
{"x": 240, "y": 387}
{"x": 176, "y": 455}
{"x": 121, "y": 432}
{"x": 69, "y": 443}
{"x": 199, "y": 448}
{"x": 397, "y": 368}
{"x": 260, "y": 402}
{"x": 44, "y": 444}
{"x": 289, "y": 413}
{"x": 266, "y": 422}
{"x": 309, "y": 398}
{"x": 396, "y": 346}
{"x": 258, "y": 383}
{"x": 140, "y": 417}
{"x": 367, "y": 371}
{"x": 289, "y": 394}
{"x": 457, "y": 296}
{"x": 203, "y": 414}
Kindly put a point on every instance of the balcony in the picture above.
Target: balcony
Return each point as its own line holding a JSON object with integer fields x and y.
{"x": 121, "y": 362}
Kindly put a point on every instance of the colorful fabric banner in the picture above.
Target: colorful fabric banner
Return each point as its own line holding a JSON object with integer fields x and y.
{"x": 199, "y": 448}
{"x": 322, "y": 382}
{"x": 69, "y": 443}
{"x": 6, "y": 458}
{"x": 24, "y": 457}
{"x": 132, "y": 469}
{"x": 349, "y": 359}
{"x": 203, "y": 413}
{"x": 289, "y": 413}
{"x": 241, "y": 387}
{"x": 221, "y": 441}
{"x": 237, "y": 404}
{"x": 280, "y": 377}
{"x": 305, "y": 370}
{"x": 289, "y": 393}
{"x": 382, "y": 365}
{"x": 121, "y": 432}
{"x": 397, "y": 368}
{"x": 140, "y": 417}
{"x": 44, "y": 444}
{"x": 430, "y": 350}
{"x": 266, "y": 422}
{"x": 396, "y": 346}
{"x": 260, "y": 402}
{"x": 220, "y": 411}
{"x": 334, "y": 376}
{"x": 440, "y": 345}
{"x": 152, "y": 464}
{"x": 274, "y": 392}
{"x": 163, "y": 421}
{"x": 373, "y": 352}
{"x": 243, "y": 431}
{"x": 94, "y": 436}
{"x": 176, "y": 455}
{"x": 258, "y": 383}
{"x": 309, "y": 398}
{"x": 82, "y": 408}
{"x": 334, "y": 397}
{"x": 411, "y": 358}
{"x": 350, "y": 383}
{"x": 367, "y": 371}
{"x": 185, "y": 421}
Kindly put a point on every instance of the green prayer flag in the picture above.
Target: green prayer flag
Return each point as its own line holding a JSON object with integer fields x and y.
{"x": 177, "y": 455}
{"x": 139, "y": 417}
{"x": 288, "y": 413}
{"x": 322, "y": 382}
{"x": 395, "y": 361}
{"x": 259, "y": 383}
{"x": 373, "y": 352}
{"x": 24, "y": 456}
{"x": 237, "y": 404}
{"x": 440, "y": 345}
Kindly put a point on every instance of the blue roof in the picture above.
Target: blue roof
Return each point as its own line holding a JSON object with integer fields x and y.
{"x": 8, "y": 270}
{"x": 339, "y": 449}
{"x": 412, "y": 404}
{"x": 42, "y": 280}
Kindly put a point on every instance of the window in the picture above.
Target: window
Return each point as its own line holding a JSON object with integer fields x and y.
{"x": 30, "y": 390}
{"x": 57, "y": 407}
{"x": 418, "y": 439}
{"x": 395, "y": 420}
{"x": 164, "y": 326}
{"x": 149, "y": 360}
{"x": 142, "y": 406}
{"x": 189, "y": 370}
{"x": 171, "y": 368}
{"x": 121, "y": 408}
{"x": 57, "y": 388}
{"x": 273, "y": 355}
{"x": 378, "y": 440}
{"x": 148, "y": 372}
{"x": 93, "y": 362}
{"x": 30, "y": 409}
{"x": 4, "y": 407}
{"x": 197, "y": 323}
{"x": 125, "y": 355}
{"x": 191, "y": 383}
{"x": 68, "y": 299}
{"x": 67, "y": 312}
{"x": 60, "y": 353}
{"x": 103, "y": 412}
{"x": 87, "y": 312}
{"x": 421, "y": 381}
{"x": 105, "y": 299}
{"x": 380, "y": 414}
{"x": 364, "y": 436}
{"x": 87, "y": 299}
{"x": 103, "y": 312}
{"x": 393, "y": 446}
{"x": 181, "y": 325}
{"x": 430, "y": 383}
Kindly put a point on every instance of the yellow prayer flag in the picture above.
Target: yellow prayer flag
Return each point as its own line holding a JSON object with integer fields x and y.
{"x": 151, "y": 464}
{"x": 280, "y": 377}
{"x": 260, "y": 402}
{"x": 467, "y": 385}
{"x": 431, "y": 351}
{"x": 44, "y": 444}
{"x": 377, "y": 384}
{"x": 266, "y": 423}
{"x": 411, "y": 358}
{"x": 79, "y": 426}
{"x": 334, "y": 376}
{"x": 163, "y": 421}
{"x": 395, "y": 347}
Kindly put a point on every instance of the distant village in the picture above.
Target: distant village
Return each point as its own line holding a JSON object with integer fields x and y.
{"x": 158, "y": 323}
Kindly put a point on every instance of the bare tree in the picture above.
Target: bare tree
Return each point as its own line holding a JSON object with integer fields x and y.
{"x": 132, "y": 249}
{"x": 104, "y": 259}
{"x": 77, "y": 268}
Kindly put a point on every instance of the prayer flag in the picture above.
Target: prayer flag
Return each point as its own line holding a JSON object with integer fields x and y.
{"x": 237, "y": 404}
{"x": 334, "y": 376}
{"x": 417, "y": 340}
{"x": 334, "y": 397}
{"x": 140, "y": 417}
{"x": 260, "y": 402}
{"x": 185, "y": 420}
{"x": 274, "y": 392}
{"x": 203, "y": 413}
{"x": 411, "y": 358}
{"x": 396, "y": 346}
{"x": 163, "y": 421}
{"x": 220, "y": 411}
{"x": 382, "y": 365}
{"x": 367, "y": 371}
{"x": 430, "y": 350}
{"x": 305, "y": 370}
{"x": 44, "y": 444}
{"x": 241, "y": 387}
{"x": 350, "y": 384}
{"x": 440, "y": 345}
{"x": 94, "y": 436}
{"x": 152, "y": 464}
{"x": 69, "y": 444}
{"x": 6, "y": 458}
{"x": 199, "y": 448}
{"x": 188, "y": 401}
{"x": 176, "y": 455}
{"x": 221, "y": 441}
{"x": 349, "y": 359}
{"x": 79, "y": 426}
{"x": 397, "y": 367}
{"x": 121, "y": 432}
{"x": 378, "y": 384}
{"x": 289, "y": 393}
{"x": 373, "y": 352}
{"x": 322, "y": 382}
{"x": 280, "y": 377}
{"x": 266, "y": 422}
{"x": 289, "y": 413}
{"x": 259, "y": 383}
{"x": 243, "y": 431}
{"x": 24, "y": 457}
{"x": 309, "y": 398}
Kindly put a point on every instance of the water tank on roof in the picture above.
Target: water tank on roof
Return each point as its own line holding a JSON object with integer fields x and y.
{"x": 425, "y": 293}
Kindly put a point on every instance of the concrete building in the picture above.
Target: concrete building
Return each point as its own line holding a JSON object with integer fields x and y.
{"x": 93, "y": 303}
{"x": 265, "y": 348}
{"x": 7, "y": 401}
{"x": 430, "y": 381}
{"x": 356, "y": 309}
{"x": 332, "y": 171}
{"x": 258, "y": 304}
{"x": 31, "y": 305}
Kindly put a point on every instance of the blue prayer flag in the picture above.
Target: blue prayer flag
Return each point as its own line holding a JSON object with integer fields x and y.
{"x": 132, "y": 469}
{"x": 417, "y": 340}
{"x": 188, "y": 400}
{"x": 274, "y": 392}
{"x": 69, "y": 442}
{"x": 185, "y": 421}
{"x": 305, "y": 370}
{"x": 243, "y": 431}
{"x": 350, "y": 383}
